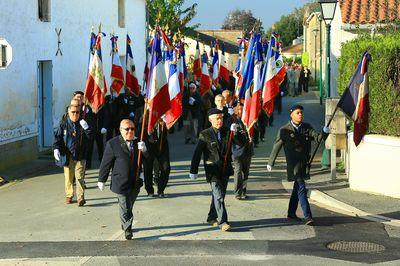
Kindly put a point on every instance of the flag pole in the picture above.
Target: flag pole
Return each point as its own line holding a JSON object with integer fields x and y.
{"x": 228, "y": 149}
{"x": 320, "y": 141}
{"x": 139, "y": 162}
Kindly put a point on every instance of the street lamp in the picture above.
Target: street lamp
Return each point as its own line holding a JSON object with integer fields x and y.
{"x": 328, "y": 8}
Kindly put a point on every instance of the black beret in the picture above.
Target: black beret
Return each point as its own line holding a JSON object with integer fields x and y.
{"x": 295, "y": 107}
{"x": 214, "y": 111}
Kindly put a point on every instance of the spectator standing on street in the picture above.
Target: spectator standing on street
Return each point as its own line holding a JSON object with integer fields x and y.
{"x": 307, "y": 75}
{"x": 297, "y": 72}
{"x": 121, "y": 155}
{"x": 295, "y": 137}
{"x": 71, "y": 140}
{"x": 291, "y": 80}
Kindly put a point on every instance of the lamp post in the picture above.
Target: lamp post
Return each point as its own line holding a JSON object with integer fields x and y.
{"x": 321, "y": 96}
{"x": 328, "y": 8}
{"x": 315, "y": 32}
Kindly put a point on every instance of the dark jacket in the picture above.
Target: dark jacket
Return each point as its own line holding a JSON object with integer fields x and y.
{"x": 61, "y": 138}
{"x": 194, "y": 109}
{"x": 153, "y": 142}
{"x": 213, "y": 154}
{"x": 297, "y": 147}
{"x": 123, "y": 164}
{"x": 245, "y": 149}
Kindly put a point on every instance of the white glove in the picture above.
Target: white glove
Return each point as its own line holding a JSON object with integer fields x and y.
{"x": 282, "y": 93}
{"x": 125, "y": 100}
{"x": 84, "y": 124}
{"x": 230, "y": 110}
{"x": 269, "y": 168}
{"x": 326, "y": 130}
{"x": 234, "y": 127}
{"x": 100, "y": 185}
{"x": 192, "y": 176}
{"x": 142, "y": 146}
{"x": 141, "y": 176}
{"x": 131, "y": 114}
{"x": 213, "y": 88}
{"x": 57, "y": 154}
{"x": 103, "y": 131}
{"x": 191, "y": 100}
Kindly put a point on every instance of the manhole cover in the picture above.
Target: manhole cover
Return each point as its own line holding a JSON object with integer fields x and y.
{"x": 355, "y": 247}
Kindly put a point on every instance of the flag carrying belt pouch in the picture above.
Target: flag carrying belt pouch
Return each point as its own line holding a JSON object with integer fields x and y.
{"x": 63, "y": 157}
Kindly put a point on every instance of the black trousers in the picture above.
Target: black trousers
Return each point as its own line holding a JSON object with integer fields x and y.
{"x": 98, "y": 138}
{"x": 164, "y": 170}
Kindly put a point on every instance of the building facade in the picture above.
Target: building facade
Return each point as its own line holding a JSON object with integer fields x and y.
{"x": 37, "y": 81}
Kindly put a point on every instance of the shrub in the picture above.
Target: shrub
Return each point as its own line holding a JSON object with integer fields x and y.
{"x": 384, "y": 79}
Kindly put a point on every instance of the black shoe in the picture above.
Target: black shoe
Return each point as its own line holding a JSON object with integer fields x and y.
{"x": 310, "y": 222}
{"x": 262, "y": 139}
{"x": 150, "y": 195}
{"x": 293, "y": 218}
{"x": 244, "y": 196}
{"x": 128, "y": 233}
{"x": 238, "y": 197}
{"x": 161, "y": 195}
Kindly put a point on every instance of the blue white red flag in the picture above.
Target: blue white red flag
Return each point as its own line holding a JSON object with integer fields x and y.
{"x": 182, "y": 67}
{"x": 223, "y": 68}
{"x": 197, "y": 63}
{"x": 355, "y": 99}
{"x": 117, "y": 72}
{"x": 132, "y": 82}
{"x": 157, "y": 87}
{"x": 96, "y": 89}
{"x": 205, "y": 80}
{"x": 175, "y": 93}
{"x": 247, "y": 72}
{"x": 273, "y": 75}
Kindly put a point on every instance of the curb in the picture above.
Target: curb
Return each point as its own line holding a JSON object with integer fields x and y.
{"x": 324, "y": 200}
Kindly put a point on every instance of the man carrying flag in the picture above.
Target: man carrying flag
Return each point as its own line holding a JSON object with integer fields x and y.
{"x": 355, "y": 100}
{"x": 132, "y": 82}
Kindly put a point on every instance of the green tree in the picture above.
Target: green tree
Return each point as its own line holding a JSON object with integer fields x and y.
{"x": 241, "y": 20}
{"x": 289, "y": 27}
{"x": 171, "y": 15}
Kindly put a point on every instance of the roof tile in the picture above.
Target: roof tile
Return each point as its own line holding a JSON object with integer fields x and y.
{"x": 369, "y": 11}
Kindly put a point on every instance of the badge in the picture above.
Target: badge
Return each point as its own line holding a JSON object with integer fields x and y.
{"x": 291, "y": 135}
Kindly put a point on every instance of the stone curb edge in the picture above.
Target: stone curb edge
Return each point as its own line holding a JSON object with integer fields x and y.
{"x": 328, "y": 202}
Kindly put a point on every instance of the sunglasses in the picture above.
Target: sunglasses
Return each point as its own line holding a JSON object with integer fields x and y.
{"x": 75, "y": 112}
{"x": 129, "y": 129}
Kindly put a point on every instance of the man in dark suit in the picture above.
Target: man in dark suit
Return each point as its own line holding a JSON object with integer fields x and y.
{"x": 241, "y": 154}
{"x": 121, "y": 155}
{"x": 213, "y": 144}
{"x": 296, "y": 137}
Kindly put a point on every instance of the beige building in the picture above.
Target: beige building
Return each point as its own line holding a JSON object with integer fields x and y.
{"x": 206, "y": 37}
{"x": 314, "y": 43}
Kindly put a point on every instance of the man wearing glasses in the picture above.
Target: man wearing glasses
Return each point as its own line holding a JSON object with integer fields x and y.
{"x": 121, "y": 155}
{"x": 71, "y": 140}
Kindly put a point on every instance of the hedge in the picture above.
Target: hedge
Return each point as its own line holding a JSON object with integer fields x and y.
{"x": 384, "y": 78}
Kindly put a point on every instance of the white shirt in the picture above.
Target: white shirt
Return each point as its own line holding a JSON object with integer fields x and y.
{"x": 297, "y": 127}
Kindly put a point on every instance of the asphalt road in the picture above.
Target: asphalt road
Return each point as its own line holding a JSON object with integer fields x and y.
{"x": 36, "y": 227}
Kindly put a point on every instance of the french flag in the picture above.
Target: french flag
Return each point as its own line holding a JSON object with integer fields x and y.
{"x": 175, "y": 93}
{"x": 96, "y": 89}
{"x": 215, "y": 65}
{"x": 355, "y": 99}
{"x": 182, "y": 67}
{"x": 248, "y": 84}
{"x": 132, "y": 82}
{"x": 255, "y": 106}
{"x": 157, "y": 87}
{"x": 117, "y": 72}
{"x": 205, "y": 80}
{"x": 197, "y": 63}
{"x": 273, "y": 74}
{"x": 223, "y": 69}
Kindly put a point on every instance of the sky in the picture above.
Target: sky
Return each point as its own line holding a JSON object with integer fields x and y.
{"x": 211, "y": 13}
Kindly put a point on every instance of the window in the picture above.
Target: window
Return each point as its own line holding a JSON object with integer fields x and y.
{"x": 121, "y": 13}
{"x": 3, "y": 55}
{"x": 44, "y": 10}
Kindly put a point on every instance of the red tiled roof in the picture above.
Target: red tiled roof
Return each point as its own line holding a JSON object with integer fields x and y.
{"x": 369, "y": 11}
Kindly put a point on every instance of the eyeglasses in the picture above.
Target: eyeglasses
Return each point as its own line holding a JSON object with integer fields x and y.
{"x": 129, "y": 129}
{"x": 75, "y": 112}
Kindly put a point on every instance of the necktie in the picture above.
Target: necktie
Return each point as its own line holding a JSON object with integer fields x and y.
{"x": 219, "y": 137}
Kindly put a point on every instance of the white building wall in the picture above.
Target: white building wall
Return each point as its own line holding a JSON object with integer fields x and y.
{"x": 338, "y": 37}
{"x": 33, "y": 40}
